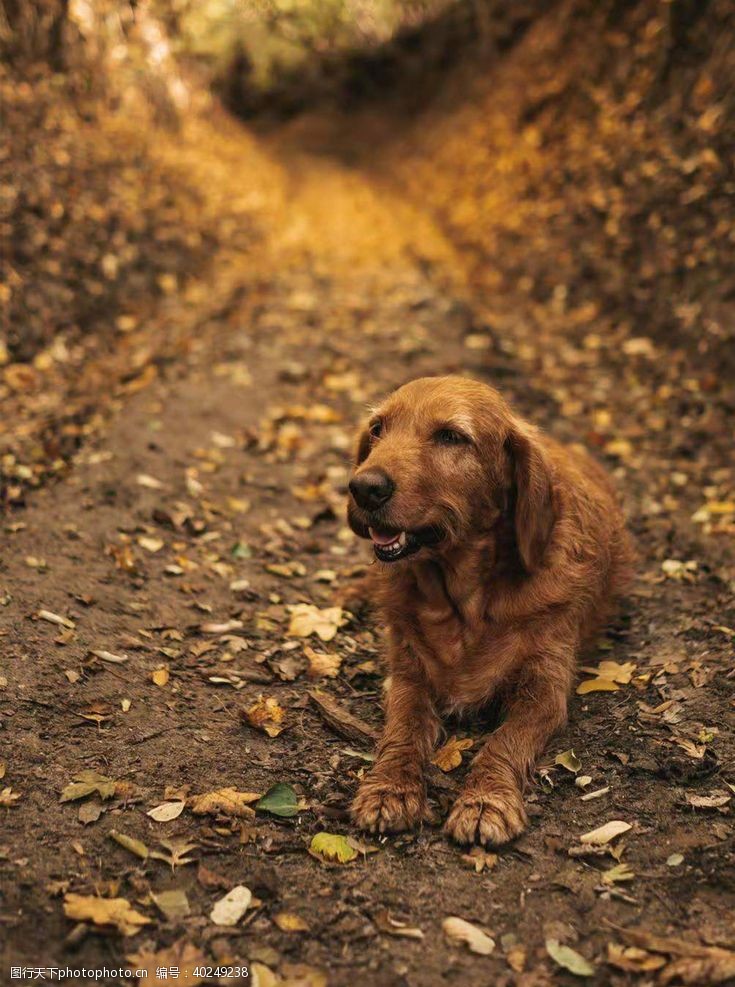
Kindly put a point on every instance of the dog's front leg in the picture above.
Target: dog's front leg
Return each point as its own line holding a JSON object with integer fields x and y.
{"x": 490, "y": 807}
{"x": 392, "y": 797}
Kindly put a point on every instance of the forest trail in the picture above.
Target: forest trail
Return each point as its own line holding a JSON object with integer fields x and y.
{"x": 210, "y": 500}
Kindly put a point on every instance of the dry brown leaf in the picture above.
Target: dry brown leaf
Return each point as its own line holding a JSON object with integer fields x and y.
{"x": 265, "y": 714}
{"x": 394, "y": 927}
{"x": 322, "y": 665}
{"x": 104, "y": 911}
{"x": 457, "y": 930}
{"x": 449, "y": 756}
{"x": 224, "y": 802}
{"x": 696, "y": 964}
{"x": 603, "y": 834}
{"x": 307, "y": 619}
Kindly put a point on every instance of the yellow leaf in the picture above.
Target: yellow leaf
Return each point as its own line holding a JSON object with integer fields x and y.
{"x": 225, "y": 802}
{"x": 150, "y": 544}
{"x": 457, "y": 930}
{"x": 597, "y": 685}
{"x": 449, "y": 756}
{"x": 603, "y": 834}
{"x": 265, "y": 714}
{"x": 613, "y": 670}
{"x": 288, "y": 922}
{"x": 160, "y": 677}
{"x": 632, "y": 959}
{"x": 306, "y": 619}
{"x": 104, "y": 911}
{"x": 332, "y": 847}
{"x": 322, "y": 665}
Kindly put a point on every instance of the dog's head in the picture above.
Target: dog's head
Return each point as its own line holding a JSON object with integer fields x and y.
{"x": 440, "y": 463}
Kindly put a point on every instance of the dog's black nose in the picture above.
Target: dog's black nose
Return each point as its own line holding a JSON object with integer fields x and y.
{"x": 371, "y": 489}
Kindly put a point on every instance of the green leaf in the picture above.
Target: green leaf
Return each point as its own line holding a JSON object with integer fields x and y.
{"x": 241, "y": 550}
{"x": 569, "y": 959}
{"x": 332, "y": 847}
{"x": 279, "y": 800}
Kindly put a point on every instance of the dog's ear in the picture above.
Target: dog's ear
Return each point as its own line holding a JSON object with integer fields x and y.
{"x": 532, "y": 498}
{"x": 363, "y": 446}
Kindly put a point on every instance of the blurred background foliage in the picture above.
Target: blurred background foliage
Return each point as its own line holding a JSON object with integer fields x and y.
{"x": 577, "y": 154}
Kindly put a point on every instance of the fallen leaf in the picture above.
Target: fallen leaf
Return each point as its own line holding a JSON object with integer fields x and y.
{"x": 322, "y": 665}
{"x": 714, "y": 801}
{"x": 569, "y": 760}
{"x": 229, "y": 910}
{"x": 597, "y": 685}
{"x": 173, "y": 903}
{"x": 55, "y": 618}
{"x": 177, "y": 853}
{"x": 696, "y": 965}
{"x": 86, "y": 783}
{"x": 394, "y": 927}
{"x": 224, "y": 627}
{"x": 457, "y": 930}
{"x": 449, "y": 755}
{"x": 224, "y": 802}
{"x": 618, "y": 874}
{"x": 332, "y": 847}
{"x": 265, "y": 714}
{"x": 632, "y": 959}
{"x": 160, "y": 676}
{"x": 150, "y": 544}
{"x": 279, "y": 800}
{"x": 288, "y": 922}
{"x": 8, "y": 797}
{"x": 104, "y": 911}
{"x": 130, "y": 844}
{"x": 169, "y": 967}
{"x": 307, "y": 619}
{"x": 613, "y": 671}
{"x": 144, "y": 480}
{"x": 89, "y": 812}
{"x": 603, "y": 834}
{"x": 166, "y": 811}
{"x": 569, "y": 958}
{"x": 589, "y": 796}
{"x": 109, "y": 656}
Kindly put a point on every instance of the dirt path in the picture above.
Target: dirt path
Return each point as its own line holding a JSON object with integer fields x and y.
{"x": 214, "y": 497}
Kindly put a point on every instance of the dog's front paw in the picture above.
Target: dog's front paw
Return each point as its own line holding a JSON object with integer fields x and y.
{"x": 384, "y": 806}
{"x": 487, "y": 817}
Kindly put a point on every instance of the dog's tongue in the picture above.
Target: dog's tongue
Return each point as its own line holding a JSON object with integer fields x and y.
{"x": 380, "y": 538}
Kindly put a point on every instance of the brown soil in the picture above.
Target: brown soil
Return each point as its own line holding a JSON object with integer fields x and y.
{"x": 352, "y": 291}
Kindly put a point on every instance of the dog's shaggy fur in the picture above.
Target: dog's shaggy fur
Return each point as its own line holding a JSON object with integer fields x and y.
{"x": 502, "y": 552}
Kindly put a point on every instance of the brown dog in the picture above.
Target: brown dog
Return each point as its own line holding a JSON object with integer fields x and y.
{"x": 501, "y": 552}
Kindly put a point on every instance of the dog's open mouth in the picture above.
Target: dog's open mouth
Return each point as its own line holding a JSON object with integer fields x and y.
{"x": 391, "y": 545}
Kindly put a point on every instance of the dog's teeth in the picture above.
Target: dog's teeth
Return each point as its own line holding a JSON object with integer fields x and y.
{"x": 402, "y": 539}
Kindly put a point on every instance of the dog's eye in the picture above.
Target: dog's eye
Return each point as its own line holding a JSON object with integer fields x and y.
{"x": 376, "y": 429}
{"x": 450, "y": 437}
